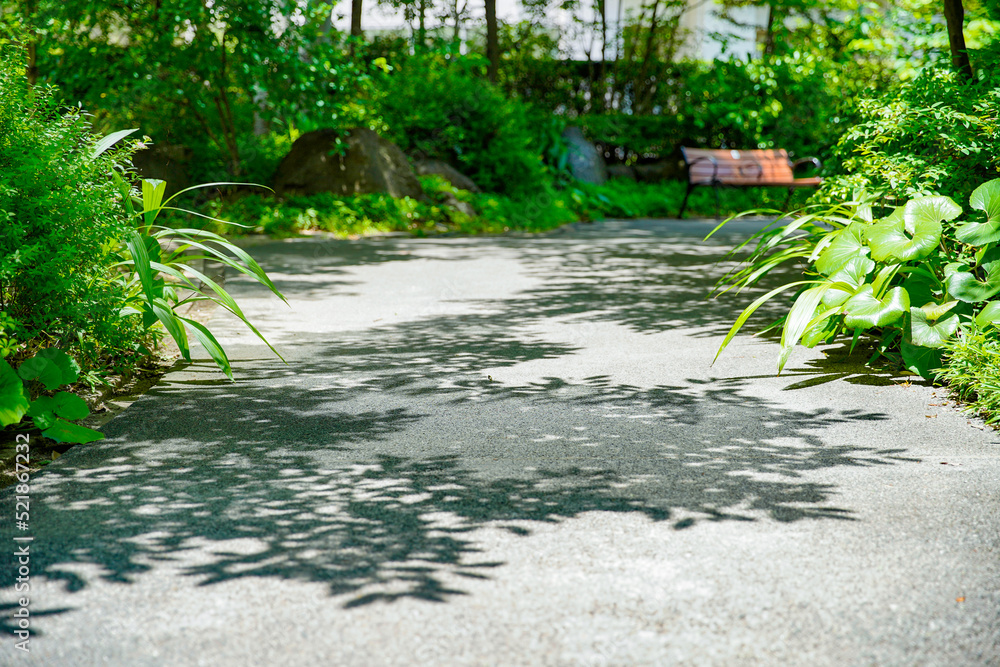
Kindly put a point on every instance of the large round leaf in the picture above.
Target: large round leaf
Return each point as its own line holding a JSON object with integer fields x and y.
{"x": 915, "y": 234}
{"x": 966, "y": 287}
{"x": 42, "y": 370}
{"x": 13, "y": 402}
{"x": 927, "y": 332}
{"x": 848, "y": 245}
{"x": 990, "y": 314}
{"x": 979, "y": 233}
{"x": 986, "y": 198}
{"x": 68, "y": 368}
{"x": 64, "y": 404}
{"x": 921, "y": 360}
{"x": 864, "y": 310}
{"x": 920, "y": 287}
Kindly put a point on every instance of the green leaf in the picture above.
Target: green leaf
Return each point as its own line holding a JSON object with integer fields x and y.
{"x": 68, "y": 368}
{"x": 13, "y": 401}
{"x": 211, "y": 346}
{"x": 979, "y": 233}
{"x": 798, "y": 320}
{"x": 852, "y": 273}
{"x": 63, "y": 431}
{"x": 920, "y": 286}
{"x": 109, "y": 141}
{"x": 915, "y": 233}
{"x": 935, "y": 311}
{"x": 140, "y": 257}
{"x": 749, "y": 310}
{"x": 165, "y": 314}
{"x": 849, "y": 244}
{"x": 990, "y": 314}
{"x": 42, "y": 370}
{"x": 820, "y": 331}
{"x": 926, "y": 332}
{"x": 986, "y": 198}
{"x": 70, "y": 406}
{"x": 920, "y": 360}
{"x": 966, "y": 287}
{"x": 864, "y": 310}
{"x": 152, "y": 198}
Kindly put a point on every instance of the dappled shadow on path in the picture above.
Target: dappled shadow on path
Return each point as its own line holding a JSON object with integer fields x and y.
{"x": 370, "y": 461}
{"x": 264, "y": 479}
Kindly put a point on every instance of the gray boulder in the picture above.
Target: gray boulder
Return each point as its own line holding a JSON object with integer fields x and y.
{"x": 585, "y": 162}
{"x": 367, "y": 163}
{"x": 447, "y": 172}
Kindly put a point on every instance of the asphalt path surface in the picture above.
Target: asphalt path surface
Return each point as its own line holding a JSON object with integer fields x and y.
{"x": 515, "y": 451}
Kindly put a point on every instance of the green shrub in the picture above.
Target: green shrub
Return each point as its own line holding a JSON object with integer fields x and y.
{"x": 61, "y": 222}
{"x": 448, "y": 110}
{"x": 936, "y": 135}
{"x": 793, "y": 102}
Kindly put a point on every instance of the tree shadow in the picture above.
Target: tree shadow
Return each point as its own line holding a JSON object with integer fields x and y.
{"x": 295, "y": 482}
{"x": 371, "y": 460}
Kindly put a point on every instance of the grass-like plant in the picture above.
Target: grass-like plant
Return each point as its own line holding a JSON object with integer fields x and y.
{"x": 154, "y": 253}
{"x": 911, "y": 277}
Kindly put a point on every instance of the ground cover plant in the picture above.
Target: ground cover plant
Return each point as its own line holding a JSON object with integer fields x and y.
{"x": 911, "y": 277}
{"x": 971, "y": 370}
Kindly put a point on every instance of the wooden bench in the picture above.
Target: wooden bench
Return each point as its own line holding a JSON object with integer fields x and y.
{"x": 744, "y": 169}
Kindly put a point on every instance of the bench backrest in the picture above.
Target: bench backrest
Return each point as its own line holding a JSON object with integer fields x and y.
{"x": 738, "y": 167}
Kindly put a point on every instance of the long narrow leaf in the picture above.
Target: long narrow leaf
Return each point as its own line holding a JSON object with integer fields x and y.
{"x": 216, "y": 184}
{"x": 166, "y": 315}
{"x": 798, "y": 320}
{"x": 749, "y": 310}
{"x": 140, "y": 256}
{"x": 211, "y": 346}
{"x": 107, "y": 142}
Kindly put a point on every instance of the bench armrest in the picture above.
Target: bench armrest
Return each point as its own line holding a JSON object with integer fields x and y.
{"x": 807, "y": 160}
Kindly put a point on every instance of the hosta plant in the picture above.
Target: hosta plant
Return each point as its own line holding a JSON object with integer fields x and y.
{"x": 911, "y": 277}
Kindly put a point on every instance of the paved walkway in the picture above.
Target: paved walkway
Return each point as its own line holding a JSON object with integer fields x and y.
{"x": 516, "y": 451}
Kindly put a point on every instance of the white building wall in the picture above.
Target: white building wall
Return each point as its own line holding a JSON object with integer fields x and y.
{"x": 700, "y": 21}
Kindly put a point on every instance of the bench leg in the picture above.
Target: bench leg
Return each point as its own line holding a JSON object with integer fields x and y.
{"x": 718, "y": 216}
{"x": 784, "y": 208}
{"x": 684, "y": 204}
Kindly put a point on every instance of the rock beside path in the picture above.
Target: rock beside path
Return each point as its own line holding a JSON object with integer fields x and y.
{"x": 361, "y": 162}
{"x": 585, "y": 162}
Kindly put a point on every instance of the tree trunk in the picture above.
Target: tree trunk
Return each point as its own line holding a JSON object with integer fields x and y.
{"x": 602, "y": 87}
{"x": 954, "y": 15}
{"x": 32, "y": 45}
{"x": 355, "y": 18}
{"x": 769, "y": 31}
{"x": 492, "y": 41}
{"x": 422, "y": 30}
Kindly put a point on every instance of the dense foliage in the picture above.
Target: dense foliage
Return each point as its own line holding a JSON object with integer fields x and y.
{"x": 936, "y": 135}
{"x": 448, "y": 110}
{"x": 62, "y": 221}
{"x": 911, "y": 277}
